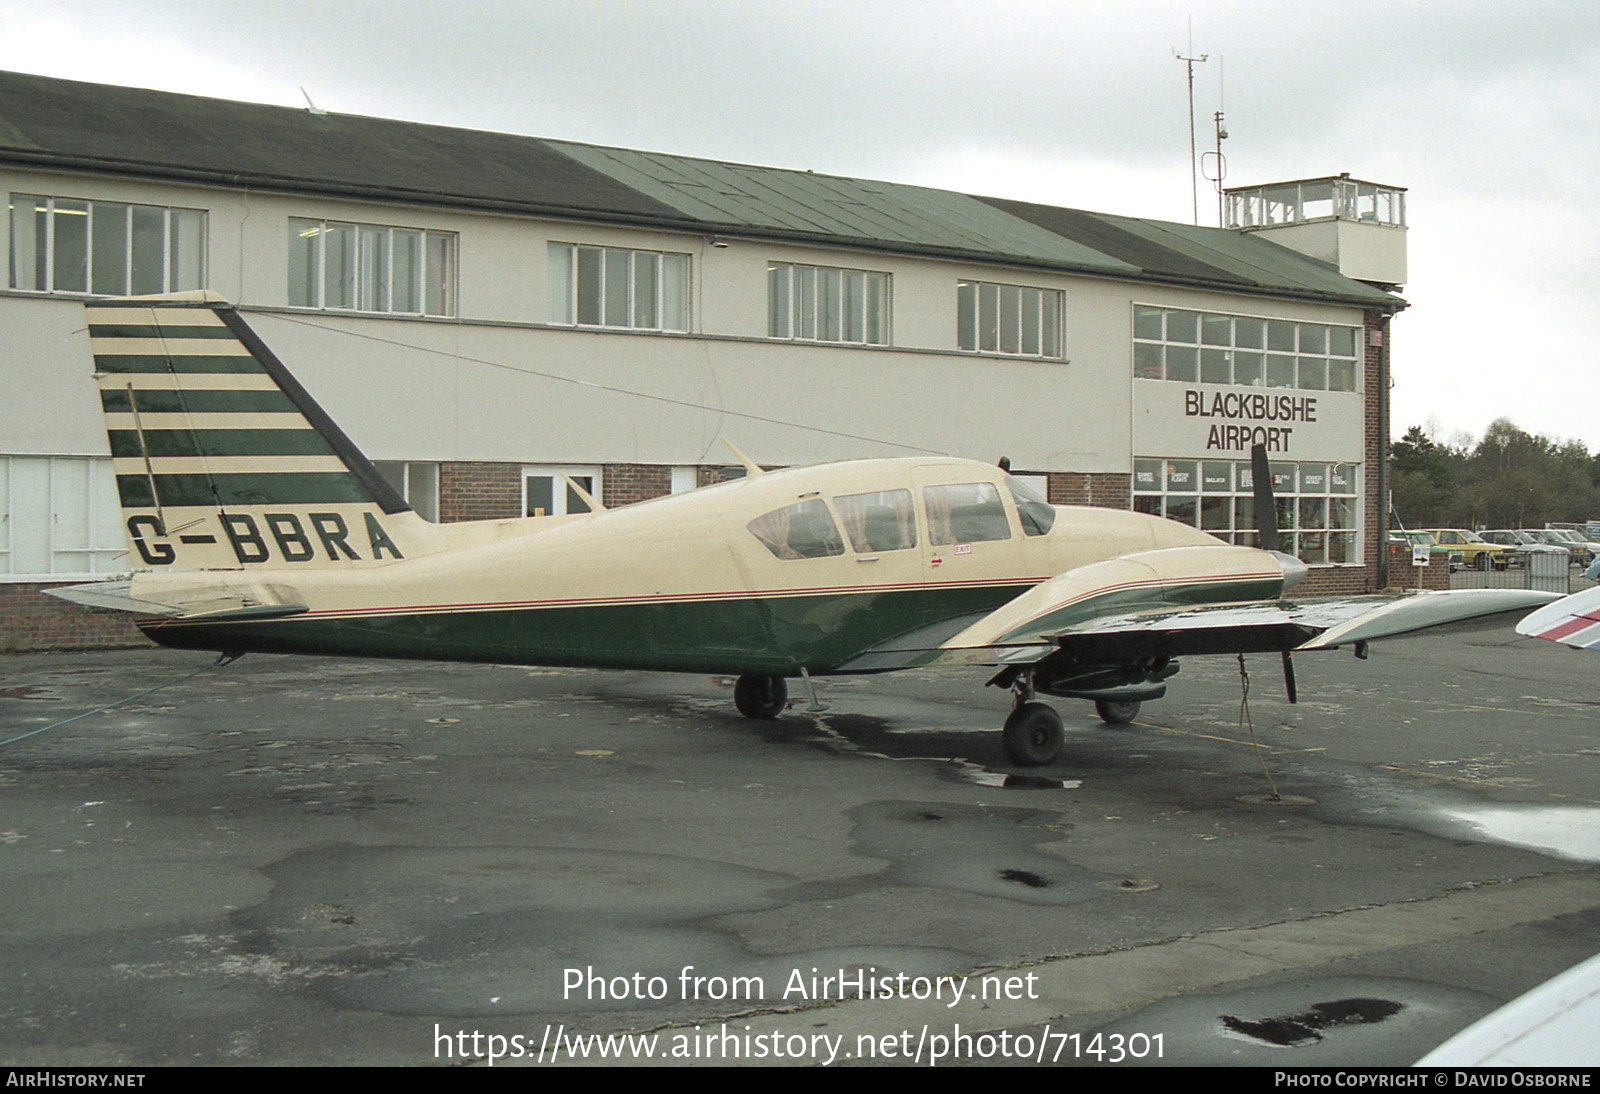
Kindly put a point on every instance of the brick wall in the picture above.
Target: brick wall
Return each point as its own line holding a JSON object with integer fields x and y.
{"x": 479, "y": 491}
{"x": 30, "y": 620}
{"x": 626, "y": 483}
{"x": 1108, "y": 490}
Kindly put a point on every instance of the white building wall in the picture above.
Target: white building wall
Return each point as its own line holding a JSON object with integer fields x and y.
{"x": 500, "y": 383}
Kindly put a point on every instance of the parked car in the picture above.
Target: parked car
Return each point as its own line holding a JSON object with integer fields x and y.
{"x": 1475, "y": 552}
{"x": 1582, "y": 556}
{"x": 1523, "y": 544}
{"x": 1580, "y": 542}
{"x": 1437, "y": 552}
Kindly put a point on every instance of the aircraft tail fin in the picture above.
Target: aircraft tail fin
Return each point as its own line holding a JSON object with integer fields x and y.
{"x": 222, "y": 459}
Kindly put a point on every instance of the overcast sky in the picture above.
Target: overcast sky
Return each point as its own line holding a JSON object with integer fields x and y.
{"x": 1484, "y": 110}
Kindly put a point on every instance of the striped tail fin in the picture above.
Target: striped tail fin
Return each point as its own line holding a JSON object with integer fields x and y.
{"x": 222, "y": 459}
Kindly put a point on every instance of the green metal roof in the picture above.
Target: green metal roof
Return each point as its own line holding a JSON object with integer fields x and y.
{"x": 48, "y": 122}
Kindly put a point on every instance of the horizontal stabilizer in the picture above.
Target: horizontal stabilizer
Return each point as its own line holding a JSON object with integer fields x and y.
{"x": 1573, "y": 621}
{"x": 212, "y": 603}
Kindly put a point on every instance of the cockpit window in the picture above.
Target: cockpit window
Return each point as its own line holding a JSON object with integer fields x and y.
{"x": 880, "y": 521}
{"x": 802, "y": 530}
{"x": 966, "y": 512}
{"x": 1037, "y": 517}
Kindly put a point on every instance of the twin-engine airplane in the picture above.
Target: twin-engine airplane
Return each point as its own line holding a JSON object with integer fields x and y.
{"x": 257, "y": 525}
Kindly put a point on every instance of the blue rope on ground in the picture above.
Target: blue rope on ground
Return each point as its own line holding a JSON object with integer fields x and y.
{"x": 127, "y": 699}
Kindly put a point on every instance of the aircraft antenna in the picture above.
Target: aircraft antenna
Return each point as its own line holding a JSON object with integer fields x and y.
{"x": 752, "y": 468}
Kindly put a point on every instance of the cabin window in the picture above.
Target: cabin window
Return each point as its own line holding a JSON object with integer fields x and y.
{"x": 1037, "y": 516}
{"x": 371, "y": 268}
{"x": 1016, "y": 320}
{"x": 105, "y": 248}
{"x": 616, "y": 287}
{"x": 826, "y": 304}
{"x": 966, "y": 512}
{"x": 802, "y": 530}
{"x": 880, "y": 521}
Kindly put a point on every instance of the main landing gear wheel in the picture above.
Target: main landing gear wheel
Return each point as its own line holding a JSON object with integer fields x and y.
{"x": 1116, "y": 713}
{"x": 761, "y": 696}
{"x": 1032, "y": 735}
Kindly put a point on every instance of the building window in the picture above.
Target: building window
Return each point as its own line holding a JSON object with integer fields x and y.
{"x": 1208, "y": 348}
{"x": 371, "y": 268}
{"x": 418, "y": 483}
{"x": 548, "y": 492}
{"x": 105, "y": 248}
{"x": 1010, "y": 319}
{"x": 1318, "y": 517}
{"x": 59, "y": 517}
{"x": 824, "y": 304}
{"x": 616, "y": 287}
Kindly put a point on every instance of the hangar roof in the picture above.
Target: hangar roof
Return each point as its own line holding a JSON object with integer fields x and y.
{"x": 67, "y": 124}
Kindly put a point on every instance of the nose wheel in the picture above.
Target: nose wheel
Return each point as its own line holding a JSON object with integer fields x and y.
{"x": 761, "y": 696}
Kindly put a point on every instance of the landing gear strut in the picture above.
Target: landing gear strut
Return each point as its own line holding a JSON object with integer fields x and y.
{"x": 761, "y": 696}
{"x": 1032, "y": 735}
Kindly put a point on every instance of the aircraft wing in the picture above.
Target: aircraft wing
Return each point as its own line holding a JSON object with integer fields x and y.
{"x": 1573, "y": 621}
{"x": 1142, "y": 607}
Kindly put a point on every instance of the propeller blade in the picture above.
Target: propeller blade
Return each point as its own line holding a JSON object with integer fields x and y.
{"x": 1266, "y": 504}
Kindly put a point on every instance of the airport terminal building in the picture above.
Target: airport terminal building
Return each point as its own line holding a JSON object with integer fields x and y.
{"x": 487, "y": 315}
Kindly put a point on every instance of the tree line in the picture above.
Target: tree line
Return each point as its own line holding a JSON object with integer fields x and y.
{"x": 1508, "y": 479}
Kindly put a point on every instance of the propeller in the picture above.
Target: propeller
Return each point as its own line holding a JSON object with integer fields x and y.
{"x": 1267, "y": 529}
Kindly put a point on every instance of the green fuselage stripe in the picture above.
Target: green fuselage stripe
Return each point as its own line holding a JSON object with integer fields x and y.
{"x": 775, "y": 635}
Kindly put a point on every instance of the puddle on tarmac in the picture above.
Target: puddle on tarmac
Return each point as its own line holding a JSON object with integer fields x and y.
{"x": 1306, "y": 1028}
{"x": 972, "y": 773}
{"x": 1347, "y": 1021}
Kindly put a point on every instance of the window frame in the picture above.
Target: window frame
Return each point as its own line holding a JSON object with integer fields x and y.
{"x": 975, "y": 299}
{"x": 77, "y": 518}
{"x": 829, "y": 305}
{"x": 415, "y": 480}
{"x": 642, "y": 296}
{"x": 1216, "y": 496}
{"x": 183, "y": 234}
{"x": 561, "y": 494}
{"x": 368, "y": 279}
{"x": 1191, "y": 345}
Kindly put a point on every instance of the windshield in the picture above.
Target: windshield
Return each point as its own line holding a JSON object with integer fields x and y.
{"x": 1037, "y": 517}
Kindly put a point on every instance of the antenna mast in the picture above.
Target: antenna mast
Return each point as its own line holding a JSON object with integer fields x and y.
{"x": 1189, "y": 62}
